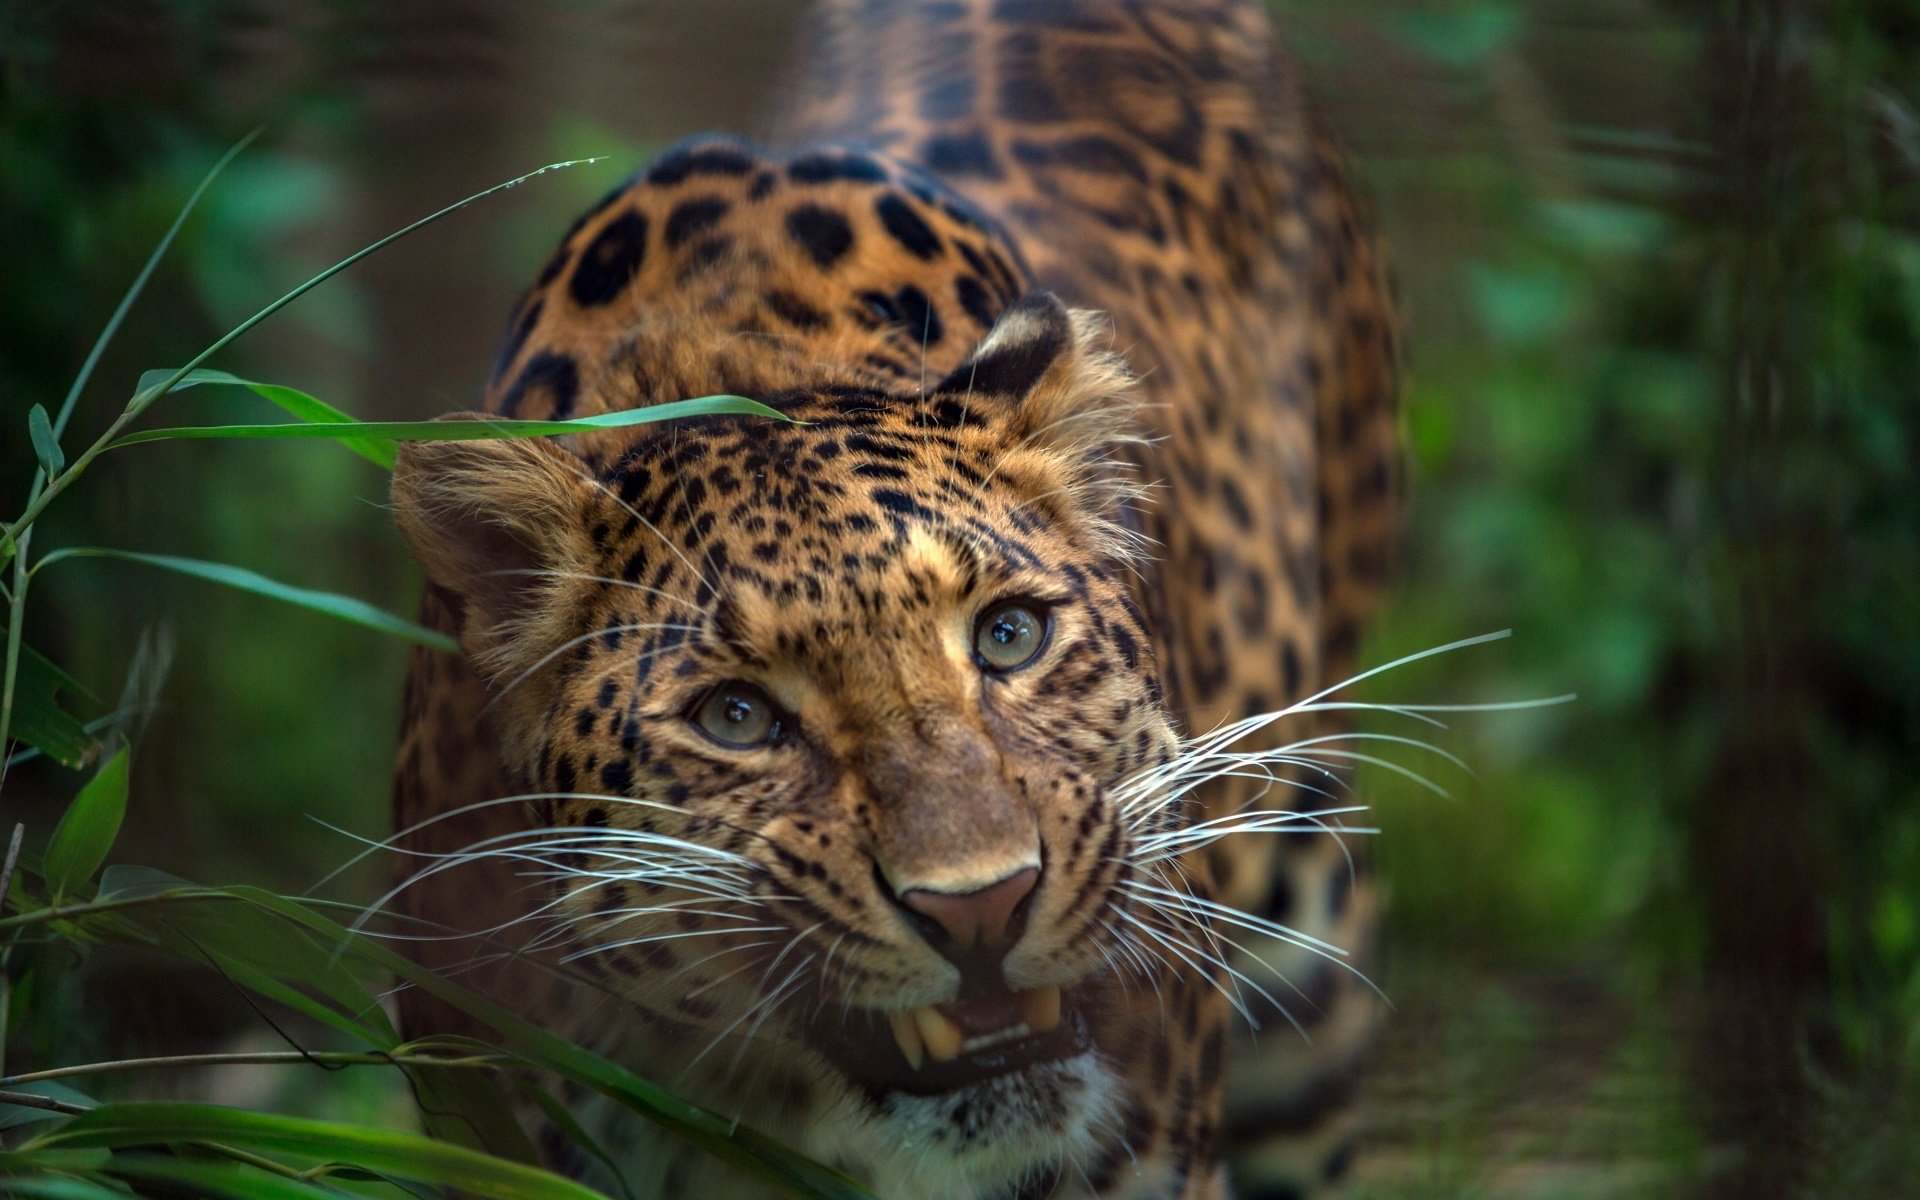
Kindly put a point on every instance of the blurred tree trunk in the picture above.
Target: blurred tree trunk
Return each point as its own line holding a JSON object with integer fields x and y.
{"x": 1757, "y": 823}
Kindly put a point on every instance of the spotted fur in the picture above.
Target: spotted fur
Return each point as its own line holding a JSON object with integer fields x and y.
{"x": 1067, "y": 301}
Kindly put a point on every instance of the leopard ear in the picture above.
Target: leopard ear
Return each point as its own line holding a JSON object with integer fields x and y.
{"x": 1051, "y": 366}
{"x": 502, "y": 525}
{"x": 1067, "y": 402}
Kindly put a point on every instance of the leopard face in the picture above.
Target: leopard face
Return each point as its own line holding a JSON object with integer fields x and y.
{"x": 821, "y": 718}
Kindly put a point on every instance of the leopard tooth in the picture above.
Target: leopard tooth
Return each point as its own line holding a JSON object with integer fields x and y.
{"x": 942, "y": 1037}
{"x": 987, "y": 1041}
{"x": 1040, "y": 1007}
{"x": 906, "y": 1031}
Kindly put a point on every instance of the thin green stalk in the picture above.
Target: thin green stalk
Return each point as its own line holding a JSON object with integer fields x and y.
{"x": 186, "y": 894}
{"x": 259, "y": 1162}
{"x": 397, "y": 1058}
{"x": 34, "y": 1100}
{"x": 89, "y": 908}
{"x": 140, "y": 282}
{"x": 6, "y": 952}
{"x": 16, "y": 626}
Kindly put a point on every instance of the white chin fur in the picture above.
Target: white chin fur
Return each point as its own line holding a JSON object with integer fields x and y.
{"x": 978, "y": 1141}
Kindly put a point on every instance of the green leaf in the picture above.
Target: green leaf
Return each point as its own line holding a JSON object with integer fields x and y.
{"x": 292, "y": 400}
{"x": 481, "y": 430}
{"x": 228, "y": 1180}
{"x": 55, "y": 1187}
{"x": 345, "y": 608}
{"x": 467, "y": 1110}
{"x": 46, "y": 446}
{"x": 126, "y": 881}
{"x": 406, "y": 1155}
{"x": 560, "y": 1118}
{"x": 83, "y": 837}
{"x": 363, "y": 1020}
{"x": 42, "y": 721}
{"x": 259, "y": 950}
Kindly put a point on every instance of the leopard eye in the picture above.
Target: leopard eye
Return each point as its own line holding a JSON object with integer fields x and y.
{"x": 1010, "y": 635}
{"x": 738, "y": 715}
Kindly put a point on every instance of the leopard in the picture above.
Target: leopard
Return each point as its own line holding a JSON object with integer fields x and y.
{"x": 897, "y": 762}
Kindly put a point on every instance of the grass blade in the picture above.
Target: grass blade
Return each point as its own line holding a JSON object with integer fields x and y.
{"x": 57, "y": 1187}
{"x": 470, "y": 430}
{"x": 215, "y": 1180}
{"x": 345, "y": 608}
{"x": 140, "y": 282}
{"x": 226, "y": 339}
{"x": 85, "y": 834}
{"x": 112, "y": 1126}
{"x": 46, "y": 447}
{"x": 292, "y": 400}
{"x": 42, "y": 721}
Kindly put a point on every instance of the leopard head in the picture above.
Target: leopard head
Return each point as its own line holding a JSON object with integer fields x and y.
{"x": 820, "y": 718}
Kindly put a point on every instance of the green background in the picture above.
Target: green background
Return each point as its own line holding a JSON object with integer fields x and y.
{"x": 1661, "y": 265}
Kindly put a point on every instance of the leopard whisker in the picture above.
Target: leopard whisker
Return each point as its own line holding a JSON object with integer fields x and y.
{"x": 1209, "y": 831}
{"x": 599, "y": 484}
{"x": 590, "y": 577}
{"x": 1118, "y": 968}
{"x": 624, "y": 848}
{"x": 1134, "y": 961}
{"x": 1144, "y": 808}
{"x": 1225, "y": 735}
{"x": 1148, "y": 793}
{"x": 568, "y": 926}
{"x": 570, "y": 643}
{"x": 788, "y": 988}
{"x": 1265, "y": 928}
{"x": 518, "y": 844}
{"x": 388, "y": 843}
{"x": 1261, "y": 821}
{"x": 696, "y": 887}
{"x": 1420, "y": 710}
{"x": 793, "y": 943}
{"x": 1182, "y": 949}
{"x": 1230, "y": 915}
{"x": 1270, "y": 998}
{"x": 660, "y": 857}
{"x": 1388, "y": 765}
{"x": 697, "y": 963}
{"x": 707, "y": 896}
{"x": 756, "y": 1006}
{"x": 1408, "y": 659}
{"x": 1160, "y": 813}
{"x": 609, "y": 947}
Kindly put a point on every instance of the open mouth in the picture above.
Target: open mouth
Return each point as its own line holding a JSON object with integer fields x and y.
{"x": 943, "y": 1047}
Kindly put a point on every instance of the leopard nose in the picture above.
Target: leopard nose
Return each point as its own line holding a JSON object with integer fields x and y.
{"x": 983, "y": 916}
